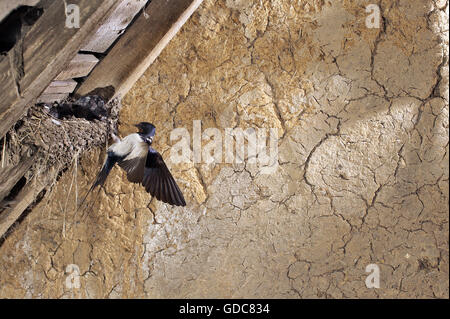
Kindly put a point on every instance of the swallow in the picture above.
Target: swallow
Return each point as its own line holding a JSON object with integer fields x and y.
{"x": 143, "y": 164}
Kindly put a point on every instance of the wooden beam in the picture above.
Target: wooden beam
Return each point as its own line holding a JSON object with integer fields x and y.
{"x": 139, "y": 46}
{"x": 80, "y": 66}
{"x": 9, "y": 176}
{"x": 57, "y": 87}
{"x": 7, "y": 83}
{"x": 25, "y": 198}
{"x": 7, "y": 6}
{"x": 47, "y": 49}
{"x": 113, "y": 25}
{"x": 52, "y": 97}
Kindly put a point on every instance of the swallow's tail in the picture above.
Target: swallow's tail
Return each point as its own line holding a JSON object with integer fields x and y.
{"x": 102, "y": 175}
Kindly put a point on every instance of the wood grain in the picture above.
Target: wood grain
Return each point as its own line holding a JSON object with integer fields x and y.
{"x": 9, "y": 176}
{"x": 24, "y": 199}
{"x": 80, "y": 66}
{"x": 141, "y": 44}
{"x": 52, "y": 97}
{"x": 57, "y": 87}
{"x": 113, "y": 25}
{"x": 47, "y": 48}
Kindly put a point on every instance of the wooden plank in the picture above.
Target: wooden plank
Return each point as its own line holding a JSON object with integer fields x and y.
{"x": 50, "y": 98}
{"x": 9, "y": 176}
{"x": 80, "y": 66}
{"x": 139, "y": 46}
{"x": 48, "y": 48}
{"x": 7, "y": 6}
{"x": 24, "y": 199}
{"x": 7, "y": 83}
{"x": 57, "y": 87}
{"x": 114, "y": 25}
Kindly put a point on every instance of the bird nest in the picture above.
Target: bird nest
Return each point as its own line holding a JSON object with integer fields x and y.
{"x": 54, "y": 136}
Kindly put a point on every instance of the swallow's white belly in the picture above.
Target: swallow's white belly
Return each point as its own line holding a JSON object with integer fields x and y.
{"x": 130, "y": 147}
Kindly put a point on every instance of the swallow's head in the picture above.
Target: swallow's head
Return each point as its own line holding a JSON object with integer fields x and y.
{"x": 147, "y": 130}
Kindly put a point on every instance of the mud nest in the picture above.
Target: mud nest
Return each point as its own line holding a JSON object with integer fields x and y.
{"x": 55, "y": 141}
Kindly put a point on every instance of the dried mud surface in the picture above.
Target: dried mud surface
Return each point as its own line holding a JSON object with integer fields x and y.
{"x": 362, "y": 116}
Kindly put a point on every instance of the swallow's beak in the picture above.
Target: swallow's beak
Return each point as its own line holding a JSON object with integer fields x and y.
{"x": 138, "y": 126}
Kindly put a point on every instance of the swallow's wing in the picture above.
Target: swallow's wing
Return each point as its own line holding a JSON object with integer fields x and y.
{"x": 159, "y": 182}
{"x": 134, "y": 167}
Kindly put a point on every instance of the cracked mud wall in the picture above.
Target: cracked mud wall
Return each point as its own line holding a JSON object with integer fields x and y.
{"x": 362, "y": 116}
